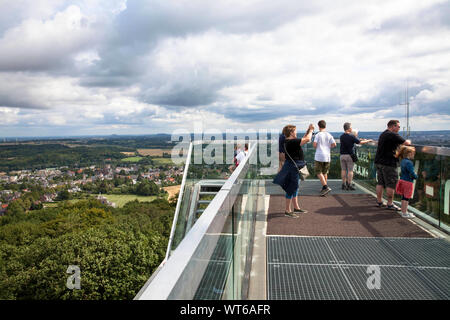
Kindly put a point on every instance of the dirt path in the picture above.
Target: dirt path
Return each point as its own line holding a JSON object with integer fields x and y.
{"x": 172, "y": 190}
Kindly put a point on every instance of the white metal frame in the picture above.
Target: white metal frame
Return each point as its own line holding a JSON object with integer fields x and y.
{"x": 160, "y": 286}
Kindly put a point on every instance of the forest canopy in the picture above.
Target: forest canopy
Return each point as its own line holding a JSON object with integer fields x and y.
{"x": 116, "y": 249}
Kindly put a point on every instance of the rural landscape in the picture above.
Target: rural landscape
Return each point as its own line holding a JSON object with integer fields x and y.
{"x": 105, "y": 205}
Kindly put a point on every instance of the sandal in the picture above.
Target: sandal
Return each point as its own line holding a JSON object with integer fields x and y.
{"x": 290, "y": 214}
{"x": 393, "y": 207}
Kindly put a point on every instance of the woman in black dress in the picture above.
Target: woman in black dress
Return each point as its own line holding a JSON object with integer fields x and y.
{"x": 288, "y": 177}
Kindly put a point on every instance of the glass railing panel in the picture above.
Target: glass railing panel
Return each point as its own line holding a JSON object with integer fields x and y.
{"x": 244, "y": 214}
{"x": 207, "y": 263}
{"x": 193, "y": 201}
{"x": 445, "y": 193}
{"x": 365, "y": 171}
{"x": 427, "y": 186}
{"x": 430, "y": 189}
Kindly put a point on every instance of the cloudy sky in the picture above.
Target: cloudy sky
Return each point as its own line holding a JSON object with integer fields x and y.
{"x": 150, "y": 66}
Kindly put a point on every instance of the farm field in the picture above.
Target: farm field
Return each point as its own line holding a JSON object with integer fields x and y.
{"x": 129, "y": 154}
{"x": 162, "y": 161}
{"x": 121, "y": 199}
{"x": 153, "y": 152}
{"x": 131, "y": 159}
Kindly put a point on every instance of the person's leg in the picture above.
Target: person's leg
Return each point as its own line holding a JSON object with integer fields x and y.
{"x": 318, "y": 170}
{"x": 391, "y": 178}
{"x": 404, "y": 207}
{"x": 405, "y": 203}
{"x": 326, "y": 169}
{"x": 344, "y": 176}
{"x": 288, "y": 211}
{"x": 295, "y": 203}
{"x": 350, "y": 178}
{"x": 345, "y": 165}
{"x": 322, "y": 179}
{"x": 390, "y": 196}
{"x": 344, "y": 180}
{"x": 380, "y": 184}
{"x": 380, "y": 190}
{"x": 288, "y": 205}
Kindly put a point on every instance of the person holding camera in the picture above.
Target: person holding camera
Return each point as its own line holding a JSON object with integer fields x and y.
{"x": 288, "y": 177}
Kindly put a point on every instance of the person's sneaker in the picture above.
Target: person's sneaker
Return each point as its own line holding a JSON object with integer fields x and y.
{"x": 408, "y": 215}
{"x": 344, "y": 187}
{"x": 393, "y": 207}
{"x": 323, "y": 192}
{"x": 290, "y": 214}
{"x": 351, "y": 188}
{"x": 300, "y": 211}
{"x": 380, "y": 204}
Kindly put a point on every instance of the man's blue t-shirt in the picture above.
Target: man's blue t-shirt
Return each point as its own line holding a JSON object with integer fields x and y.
{"x": 281, "y": 141}
{"x": 347, "y": 143}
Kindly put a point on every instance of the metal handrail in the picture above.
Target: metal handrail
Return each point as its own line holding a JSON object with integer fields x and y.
{"x": 180, "y": 197}
{"x": 440, "y": 151}
{"x": 160, "y": 286}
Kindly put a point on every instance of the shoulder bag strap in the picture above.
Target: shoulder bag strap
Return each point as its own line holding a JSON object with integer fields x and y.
{"x": 290, "y": 156}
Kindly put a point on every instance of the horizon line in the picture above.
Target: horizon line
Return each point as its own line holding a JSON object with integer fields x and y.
{"x": 161, "y": 133}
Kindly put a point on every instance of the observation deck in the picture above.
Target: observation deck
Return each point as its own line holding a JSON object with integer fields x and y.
{"x": 230, "y": 238}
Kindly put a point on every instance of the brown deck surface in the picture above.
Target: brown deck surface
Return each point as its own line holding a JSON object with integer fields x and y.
{"x": 346, "y": 215}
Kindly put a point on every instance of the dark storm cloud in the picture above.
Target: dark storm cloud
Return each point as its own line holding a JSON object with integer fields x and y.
{"x": 134, "y": 118}
{"x": 244, "y": 114}
{"x": 423, "y": 21}
{"x": 390, "y": 95}
{"x": 16, "y": 99}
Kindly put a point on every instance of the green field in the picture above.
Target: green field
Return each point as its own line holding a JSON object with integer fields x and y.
{"x": 131, "y": 159}
{"x": 121, "y": 199}
{"x": 162, "y": 161}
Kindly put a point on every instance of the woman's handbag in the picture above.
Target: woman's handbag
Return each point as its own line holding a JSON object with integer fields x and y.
{"x": 303, "y": 171}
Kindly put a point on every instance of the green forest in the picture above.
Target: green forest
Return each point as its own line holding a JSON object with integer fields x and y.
{"x": 116, "y": 249}
{"x": 40, "y": 156}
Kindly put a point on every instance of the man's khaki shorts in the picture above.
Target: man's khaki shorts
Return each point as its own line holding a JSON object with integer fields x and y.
{"x": 321, "y": 167}
{"x": 347, "y": 163}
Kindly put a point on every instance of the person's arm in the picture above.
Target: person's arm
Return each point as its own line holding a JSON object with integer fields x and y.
{"x": 407, "y": 142}
{"x": 308, "y": 135}
{"x": 410, "y": 167}
{"x": 364, "y": 141}
{"x": 333, "y": 143}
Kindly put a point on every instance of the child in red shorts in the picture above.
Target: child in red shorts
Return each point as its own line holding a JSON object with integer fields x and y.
{"x": 405, "y": 184}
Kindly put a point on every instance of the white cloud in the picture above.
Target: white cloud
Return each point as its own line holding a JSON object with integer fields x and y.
{"x": 135, "y": 66}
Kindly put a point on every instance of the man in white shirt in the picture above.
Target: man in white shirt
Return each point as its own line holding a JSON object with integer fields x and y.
{"x": 241, "y": 155}
{"x": 323, "y": 142}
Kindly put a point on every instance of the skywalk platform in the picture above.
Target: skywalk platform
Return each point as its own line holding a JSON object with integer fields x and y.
{"x": 346, "y": 248}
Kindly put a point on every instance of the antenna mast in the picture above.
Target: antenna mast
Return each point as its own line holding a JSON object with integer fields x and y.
{"x": 408, "y": 129}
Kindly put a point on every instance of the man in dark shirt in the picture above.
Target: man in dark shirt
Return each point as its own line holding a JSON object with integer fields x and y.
{"x": 386, "y": 163}
{"x": 348, "y": 141}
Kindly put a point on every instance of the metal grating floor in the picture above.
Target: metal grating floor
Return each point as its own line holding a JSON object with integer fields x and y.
{"x": 213, "y": 282}
{"x": 331, "y": 268}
